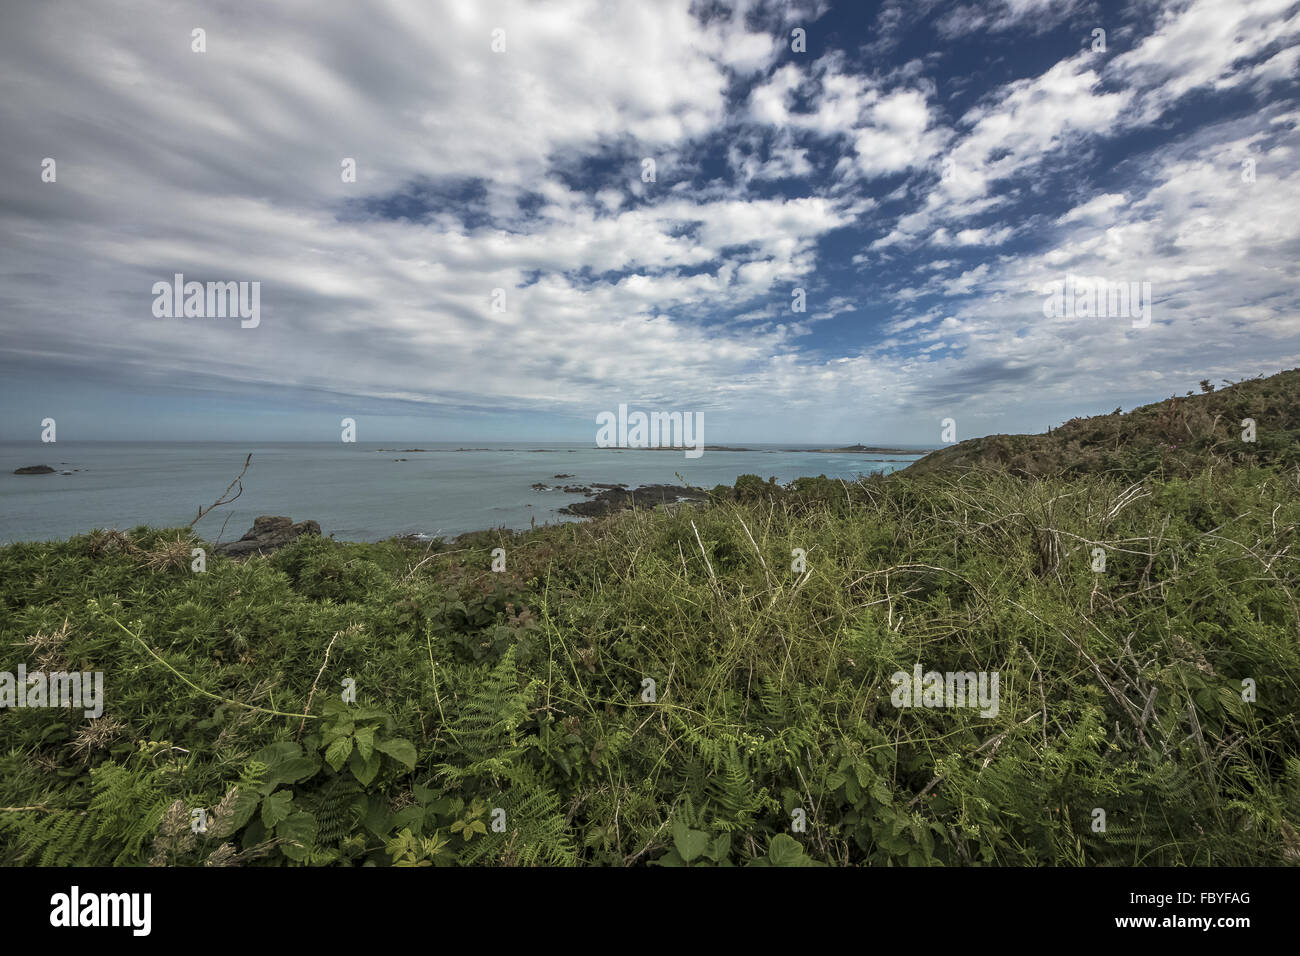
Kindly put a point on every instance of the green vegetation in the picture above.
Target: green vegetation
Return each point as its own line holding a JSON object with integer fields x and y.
{"x": 500, "y": 718}
{"x": 1178, "y": 436}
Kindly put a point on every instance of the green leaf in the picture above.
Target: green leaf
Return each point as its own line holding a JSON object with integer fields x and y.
{"x": 300, "y": 830}
{"x": 720, "y": 848}
{"x": 338, "y": 752}
{"x": 276, "y": 807}
{"x": 364, "y": 770}
{"x": 411, "y": 818}
{"x": 784, "y": 850}
{"x": 378, "y": 820}
{"x": 400, "y": 749}
{"x": 689, "y": 843}
{"x": 285, "y": 763}
{"x": 246, "y": 801}
{"x": 365, "y": 737}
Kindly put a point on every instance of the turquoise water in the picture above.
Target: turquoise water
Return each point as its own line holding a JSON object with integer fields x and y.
{"x": 355, "y": 491}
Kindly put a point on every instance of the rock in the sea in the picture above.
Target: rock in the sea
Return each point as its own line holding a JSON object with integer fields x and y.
{"x": 34, "y": 470}
{"x": 618, "y": 498}
{"x": 268, "y": 534}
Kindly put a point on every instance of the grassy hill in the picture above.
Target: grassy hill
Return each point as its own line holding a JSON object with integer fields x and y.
{"x": 1178, "y": 436}
{"x": 506, "y": 717}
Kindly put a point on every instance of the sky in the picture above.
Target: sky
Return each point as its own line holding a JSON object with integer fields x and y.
{"x": 560, "y": 207}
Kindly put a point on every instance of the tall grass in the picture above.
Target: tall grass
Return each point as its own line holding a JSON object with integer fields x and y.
{"x": 525, "y": 690}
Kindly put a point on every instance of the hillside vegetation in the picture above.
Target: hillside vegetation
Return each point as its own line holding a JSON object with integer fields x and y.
{"x": 504, "y": 717}
{"x": 1178, "y": 436}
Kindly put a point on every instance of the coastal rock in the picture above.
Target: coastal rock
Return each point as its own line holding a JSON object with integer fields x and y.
{"x": 34, "y": 470}
{"x": 268, "y": 534}
{"x": 619, "y": 499}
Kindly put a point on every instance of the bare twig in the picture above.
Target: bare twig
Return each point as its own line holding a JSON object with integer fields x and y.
{"x": 703, "y": 554}
{"x": 223, "y": 500}
{"x": 311, "y": 695}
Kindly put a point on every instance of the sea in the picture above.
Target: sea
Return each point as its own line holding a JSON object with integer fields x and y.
{"x": 358, "y": 491}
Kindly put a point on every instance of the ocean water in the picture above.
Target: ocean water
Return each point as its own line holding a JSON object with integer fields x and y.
{"x": 356, "y": 491}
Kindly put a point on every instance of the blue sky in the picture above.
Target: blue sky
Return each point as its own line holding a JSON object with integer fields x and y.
{"x": 922, "y": 171}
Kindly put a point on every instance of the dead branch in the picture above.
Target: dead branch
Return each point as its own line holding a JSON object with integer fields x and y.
{"x": 223, "y": 500}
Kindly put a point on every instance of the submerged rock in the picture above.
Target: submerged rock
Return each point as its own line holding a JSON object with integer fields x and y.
{"x": 268, "y": 534}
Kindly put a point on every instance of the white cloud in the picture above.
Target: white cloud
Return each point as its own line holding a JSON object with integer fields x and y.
{"x": 226, "y": 165}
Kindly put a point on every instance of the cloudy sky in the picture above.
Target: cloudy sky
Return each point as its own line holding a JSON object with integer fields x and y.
{"x": 920, "y": 170}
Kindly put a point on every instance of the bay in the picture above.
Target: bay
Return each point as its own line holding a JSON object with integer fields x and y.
{"x": 356, "y": 491}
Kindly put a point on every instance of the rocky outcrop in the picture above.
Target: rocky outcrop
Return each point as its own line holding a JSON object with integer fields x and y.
{"x": 268, "y": 534}
{"x": 34, "y": 470}
{"x": 618, "y": 499}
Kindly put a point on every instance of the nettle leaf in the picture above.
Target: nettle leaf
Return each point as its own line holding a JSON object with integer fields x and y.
{"x": 338, "y": 752}
{"x": 285, "y": 764}
{"x": 365, "y": 738}
{"x": 364, "y": 770}
{"x": 246, "y": 802}
{"x": 338, "y": 731}
{"x": 400, "y": 749}
{"x": 689, "y": 843}
{"x": 276, "y": 807}
{"x": 274, "y": 754}
{"x": 300, "y": 830}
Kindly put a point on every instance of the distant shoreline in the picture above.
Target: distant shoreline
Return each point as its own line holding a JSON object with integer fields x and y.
{"x": 846, "y": 450}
